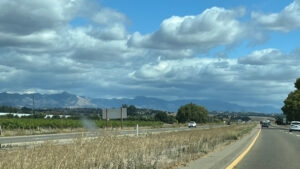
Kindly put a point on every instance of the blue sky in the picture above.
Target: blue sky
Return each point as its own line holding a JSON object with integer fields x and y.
{"x": 238, "y": 51}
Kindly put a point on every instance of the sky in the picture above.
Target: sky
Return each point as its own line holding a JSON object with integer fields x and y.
{"x": 238, "y": 51}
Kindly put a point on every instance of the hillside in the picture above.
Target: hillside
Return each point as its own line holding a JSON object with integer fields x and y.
{"x": 72, "y": 101}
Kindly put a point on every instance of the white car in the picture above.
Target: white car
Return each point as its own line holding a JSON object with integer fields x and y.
{"x": 192, "y": 124}
{"x": 295, "y": 126}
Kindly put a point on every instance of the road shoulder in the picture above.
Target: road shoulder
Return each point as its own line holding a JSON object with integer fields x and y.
{"x": 224, "y": 157}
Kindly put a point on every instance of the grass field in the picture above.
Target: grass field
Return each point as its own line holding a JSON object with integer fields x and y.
{"x": 24, "y": 126}
{"x": 162, "y": 150}
{"x": 15, "y": 123}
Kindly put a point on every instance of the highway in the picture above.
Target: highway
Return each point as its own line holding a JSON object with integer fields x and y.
{"x": 49, "y": 137}
{"x": 276, "y": 148}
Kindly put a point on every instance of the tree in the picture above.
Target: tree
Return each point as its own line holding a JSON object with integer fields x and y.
{"x": 161, "y": 116}
{"x": 192, "y": 112}
{"x": 291, "y": 106}
{"x": 26, "y": 110}
{"x": 279, "y": 120}
{"x": 131, "y": 110}
{"x": 8, "y": 109}
{"x": 297, "y": 84}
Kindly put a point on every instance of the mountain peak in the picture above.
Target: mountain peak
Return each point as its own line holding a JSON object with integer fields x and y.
{"x": 66, "y": 93}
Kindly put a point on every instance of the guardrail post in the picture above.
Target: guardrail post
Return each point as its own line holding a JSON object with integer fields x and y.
{"x": 0, "y": 135}
{"x": 137, "y": 130}
{"x": 106, "y": 113}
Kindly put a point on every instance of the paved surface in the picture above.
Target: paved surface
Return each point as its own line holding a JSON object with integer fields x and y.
{"x": 48, "y": 137}
{"x": 276, "y": 148}
{"x": 221, "y": 159}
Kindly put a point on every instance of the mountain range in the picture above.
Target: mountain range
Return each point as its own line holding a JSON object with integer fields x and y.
{"x": 68, "y": 100}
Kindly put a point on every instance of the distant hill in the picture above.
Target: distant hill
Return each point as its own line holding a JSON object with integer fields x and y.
{"x": 67, "y": 100}
{"x": 45, "y": 100}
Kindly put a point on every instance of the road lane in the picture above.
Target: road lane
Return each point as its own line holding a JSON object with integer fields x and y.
{"x": 275, "y": 148}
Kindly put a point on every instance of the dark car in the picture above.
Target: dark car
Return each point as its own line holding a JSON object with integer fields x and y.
{"x": 265, "y": 123}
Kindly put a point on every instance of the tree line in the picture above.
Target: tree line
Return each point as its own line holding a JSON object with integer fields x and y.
{"x": 188, "y": 112}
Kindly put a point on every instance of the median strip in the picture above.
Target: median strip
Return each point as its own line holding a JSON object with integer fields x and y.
{"x": 239, "y": 158}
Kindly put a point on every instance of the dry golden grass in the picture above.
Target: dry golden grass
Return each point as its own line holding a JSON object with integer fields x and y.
{"x": 22, "y": 132}
{"x": 117, "y": 152}
{"x": 38, "y": 131}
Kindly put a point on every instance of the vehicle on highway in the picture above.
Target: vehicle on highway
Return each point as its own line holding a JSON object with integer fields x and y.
{"x": 192, "y": 124}
{"x": 265, "y": 123}
{"x": 295, "y": 126}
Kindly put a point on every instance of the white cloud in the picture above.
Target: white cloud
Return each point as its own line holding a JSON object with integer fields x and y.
{"x": 191, "y": 70}
{"x": 287, "y": 20}
{"x": 263, "y": 57}
{"x": 88, "y": 48}
{"x": 26, "y": 17}
{"x": 39, "y": 39}
{"x": 6, "y": 72}
{"x": 265, "y": 75}
{"x": 271, "y": 56}
{"x": 213, "y": 27}
{"x": 115, "y": 32}
{"x": 108, "y": 16}
{"x": 104, "y": 59}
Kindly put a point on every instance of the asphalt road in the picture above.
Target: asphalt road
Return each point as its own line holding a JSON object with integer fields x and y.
{"x": 49, "y": 137}
{"x": 275, "y": 149}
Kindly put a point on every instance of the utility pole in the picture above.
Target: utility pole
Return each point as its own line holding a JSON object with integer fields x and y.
{"x": 33, "y": 104}
{"x": 98, "y": 111}
{"x": 121, "y": 118}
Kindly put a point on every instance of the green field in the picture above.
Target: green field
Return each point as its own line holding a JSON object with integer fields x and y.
{"x": 14, "y": 123}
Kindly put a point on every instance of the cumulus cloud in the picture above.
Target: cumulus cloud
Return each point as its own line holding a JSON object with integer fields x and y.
{"x": 50, "y": 31}
{"x": 190, "y": 70}
{"x": 107, "y": 16}
{"x": 263, "y": 57}
{"x": 115, "y": 32}
{"x": 40, "y": 50}
{"x": 35, "y": 25}
{"x": 286, "y": 20}
{"x": 26, "y": 17}
{"x": 270, "y": 56}
{"x": 35, "y": 40}
{"x": 42, "y": 63}
{"x": 85, "y": 47}
{"x": 213, "y": 27}
{"x": 264, "y": 75}
{"x": 6, "y": 73}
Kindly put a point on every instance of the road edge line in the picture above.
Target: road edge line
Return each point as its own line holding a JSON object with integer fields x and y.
{"x": 240, "y": 157}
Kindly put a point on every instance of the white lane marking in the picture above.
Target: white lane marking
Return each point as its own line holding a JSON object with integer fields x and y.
{"x": 291, "y": 133}
{"x": 294, "y": 134}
